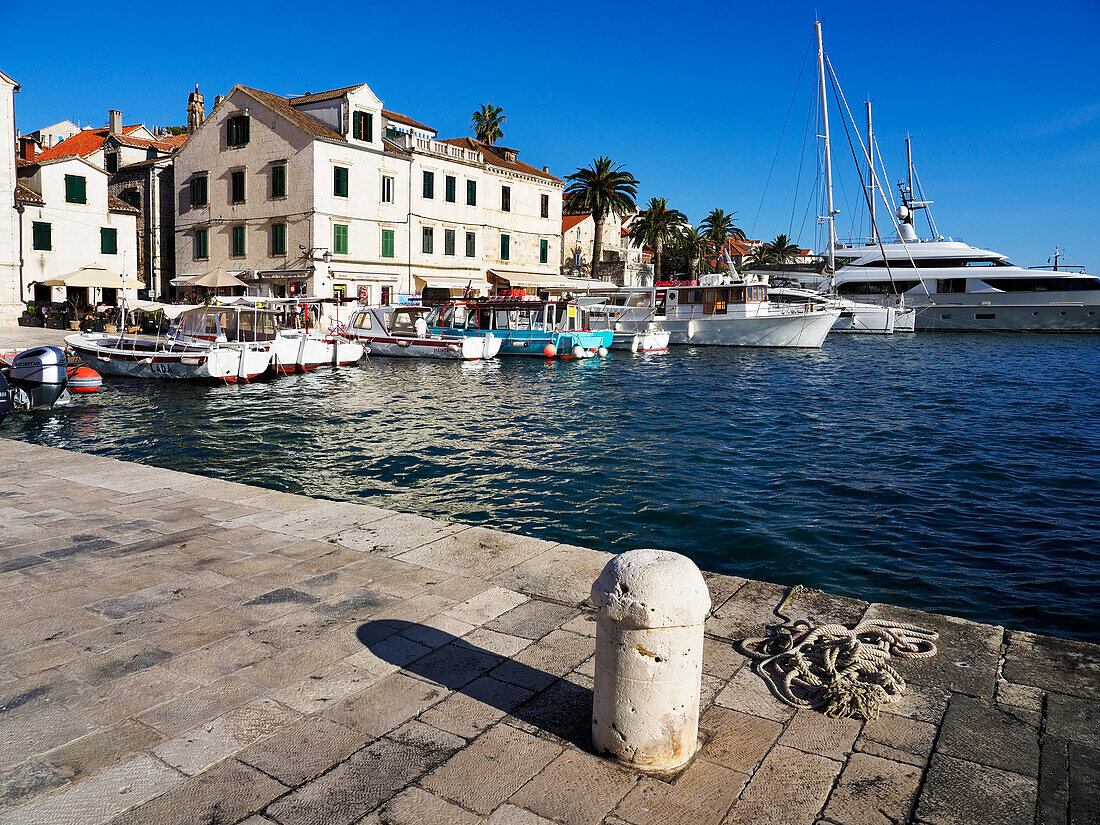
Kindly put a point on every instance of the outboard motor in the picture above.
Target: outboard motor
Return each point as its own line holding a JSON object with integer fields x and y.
{"x": 5, "y": 398}
{"x": 38, "y": 377}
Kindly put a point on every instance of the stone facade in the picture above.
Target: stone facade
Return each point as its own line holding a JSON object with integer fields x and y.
{"x": 149, "y": 186}
{"x": 373, "y": 205}
{"x": 623, "y": 263}
{"x": 9, "y": 219}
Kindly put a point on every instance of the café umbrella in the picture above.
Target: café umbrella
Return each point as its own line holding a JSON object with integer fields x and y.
{"x": 96, "y": 277}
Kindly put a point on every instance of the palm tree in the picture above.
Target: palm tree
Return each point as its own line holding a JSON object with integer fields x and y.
{"x": 486, "y": 123}
{"x": 657, "y": 226}
{"x": 693, "y": 244}
{"x": 718, "y": 227}
{"x": 601, "y": 189}
{"x": 780, "y": 250}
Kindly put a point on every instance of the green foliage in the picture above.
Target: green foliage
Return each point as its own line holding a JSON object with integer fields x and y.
{"x": 658, "y": 227}
{"x": 600, "y": 190}
{"x": 718, "y": 226}
{"x": 486, "y": 123}
{"x": 176, "y": 130}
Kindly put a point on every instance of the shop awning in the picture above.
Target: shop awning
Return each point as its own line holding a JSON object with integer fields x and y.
{"x": 543, "y": 280}
{"x": 95, "y": 276}
{"x": 275, "y": 274}
{"x": 475, "y": 282}
{"x": 357, "y": 277}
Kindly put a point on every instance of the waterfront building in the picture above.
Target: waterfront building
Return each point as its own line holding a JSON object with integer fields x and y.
{"x": 10, "y": 306}
{"x": 331, "y": 194}
{"x": 68, "y": 220}
{"x": 622, "y": 262}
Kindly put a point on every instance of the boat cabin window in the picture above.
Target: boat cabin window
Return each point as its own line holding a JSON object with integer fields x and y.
{"x": 951, "y": 286}
{"x": 363, "y": 321}
{"x": 937, "y": 263}
{"x": 1042, "y": 284}
{"x": 461, "y": 316}
{"x": 876, "y": 287}
{"x": 404, "y": 320}
{"x": 694, "y": 296}
{"x": 253, "y": 326}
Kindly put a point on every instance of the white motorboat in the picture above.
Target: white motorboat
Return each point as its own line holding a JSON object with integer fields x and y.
{"x": 212, "y": 343}
{"x": 402, "y": 332}
{"x": 855, "y": 316}
{"x": 630, "y": 316}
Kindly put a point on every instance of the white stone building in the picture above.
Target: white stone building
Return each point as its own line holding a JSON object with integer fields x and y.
{"x": 69, "y": 220}
{"x": 622, "y": 262}
{"x": 49, "y": 136}
{"x": 10, "y": 305}
{"x": 331, "y": 194}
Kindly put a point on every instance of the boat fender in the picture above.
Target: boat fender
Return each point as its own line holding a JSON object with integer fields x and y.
{"x": 404, "y": 343}
{"x": 602, "y": 352}
{"x": 83, "y": 379}
{"x": 523, "y": 345}
{"x": 691, "y": 330}
{"x": 579, "y": 352}
{"x": 634, "y": 344}
{"x": 549, "y": 350}
{"x": 452, "y": 347}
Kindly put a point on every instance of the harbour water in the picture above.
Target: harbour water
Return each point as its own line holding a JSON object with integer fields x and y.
{"x": 953, "y": 473}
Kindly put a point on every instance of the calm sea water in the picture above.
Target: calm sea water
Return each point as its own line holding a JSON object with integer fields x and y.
{"x": 955, "y": 473}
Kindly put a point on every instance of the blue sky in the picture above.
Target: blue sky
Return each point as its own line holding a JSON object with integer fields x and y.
{"x": 1002, "y": 98}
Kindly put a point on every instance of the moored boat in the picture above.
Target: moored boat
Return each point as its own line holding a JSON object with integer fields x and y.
{"x": 525, "y": 325}
{"x": 403, "y": 332}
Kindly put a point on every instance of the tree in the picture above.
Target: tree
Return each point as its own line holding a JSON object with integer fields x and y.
{"x": 693, "y": 243}
{"x": 657, "y": 226}
{"x": 486, "y": 123}
{"x": 600, "y": 190}
{"x": 780, "y": 250}
{"x": 718, "y": 227}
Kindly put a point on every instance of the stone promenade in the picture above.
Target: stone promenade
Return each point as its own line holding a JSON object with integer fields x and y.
{"x": 178, "y": 649}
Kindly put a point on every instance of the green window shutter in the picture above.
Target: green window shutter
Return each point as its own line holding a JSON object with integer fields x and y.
{"x": 42, "y": 236}
{"x": 387, "y": 243}
{"x": 340, "y": 239}
{"x": 471, "y": 244}
{"x": 278, "y": 239}
{"x": 471, "y": 193}
{"x": 202, "y": 249}
{"x": 368, "y": 122}
{"x": 236, "y": 130}
{"x": 450, "y": 189}
{"x": 357, "y": 125}
{"x": 108, "y": 241}
{"x": 448, "y": 242}
{"x": 340, "y": 181}
{"x": 428, "y": 243}
{"x": 236, "y": 186}
{"x": 429, "y": 185}
{"x": 278, "y": 181}
{"x": 544, "y": 251}
{"x": 76, "y": 189}
{"x": 238, "y": 242}
{"x": 505, "y": 244}
{"x": 198, "y": 191}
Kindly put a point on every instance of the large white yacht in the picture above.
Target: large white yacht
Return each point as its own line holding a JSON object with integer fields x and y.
{"x": 954, "y": 286}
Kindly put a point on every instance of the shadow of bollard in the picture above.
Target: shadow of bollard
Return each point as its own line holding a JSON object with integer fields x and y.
{"x": 539, "y": 699}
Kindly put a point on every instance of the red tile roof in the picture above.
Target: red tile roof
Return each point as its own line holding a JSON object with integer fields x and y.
{"x": 300, "y": 119}
{"x": 494, "y": 155}
{"x": 24, "y": 194}
{"x": 175, "y": 141}
{"x": 408, "y": 121}
{"x": 569, "y": 221}
{"x": 83, "y": 143}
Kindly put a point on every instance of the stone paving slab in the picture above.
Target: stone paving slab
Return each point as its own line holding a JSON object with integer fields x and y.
{"x": 175, "y": 649}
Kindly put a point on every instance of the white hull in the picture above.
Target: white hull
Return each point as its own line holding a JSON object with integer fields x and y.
{"x": 465, "y": 349}
{"x": 110, "y": 355}
{"x": 866, "y": 319}
{"x": 806, "y": 330}
{"x": 1003, "y": 311}
{"x": 650, "y": 341}
{"x": 302, "y": 352}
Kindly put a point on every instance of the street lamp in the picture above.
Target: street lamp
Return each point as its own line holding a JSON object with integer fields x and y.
{"x": 309, "y": 253}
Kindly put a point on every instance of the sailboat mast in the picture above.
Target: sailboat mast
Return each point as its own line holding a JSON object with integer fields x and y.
{"x": 828, "y": 154}
{"x": 909, "y": 165}
{"x": 871, "y": 183}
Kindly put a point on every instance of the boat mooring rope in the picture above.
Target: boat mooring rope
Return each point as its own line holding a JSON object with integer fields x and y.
{"x": 841, "y": 671}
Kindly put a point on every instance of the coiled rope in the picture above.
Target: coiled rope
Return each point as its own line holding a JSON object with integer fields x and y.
{"x": 841, "y": 671}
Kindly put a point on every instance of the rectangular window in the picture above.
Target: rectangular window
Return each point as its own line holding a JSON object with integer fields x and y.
{"x": 450, "y": 189}
{"x": 339, "y": 239}
{"x": 427, "y": 243}
{"x": 236, "y": 186}
{"x": 108, "y": 241}
{"x": 544, "y": 251}
{"x": 448, "y": 242}
{"x": 278, "y": 239}
{"x": 42, "y": 234}
{"x": 76, "y": 189}
{"x": 199, "y": 196}
{"x": 506, "y": 199}
{"x": 505, "y": 247}
{"x": 202, "y": 245}
{"x": 546, "y": 206}
{"x": 387, "y": 189}
{"x": 387, "y": 243}
{"x": 278, "y": 180}
{"x": 471, "y": 244}
{"x": 237, "y": 249}
{"x": 471, "y": 193}
{"x": 236, "y": 130}
{"x": 111, "y": 162}
{"x": 340, "y": 181}
{"x": 362, "y": 126}
{"x": 429, "y": 185}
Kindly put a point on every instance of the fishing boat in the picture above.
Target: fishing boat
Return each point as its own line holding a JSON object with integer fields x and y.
{"x": 404, "y": 332}
{"x": 525, "y": 325}
{"x": 204, "y": 343}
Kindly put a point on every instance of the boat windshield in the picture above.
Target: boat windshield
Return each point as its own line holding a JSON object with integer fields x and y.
{"x": 404, "y": 319}
{"x": 461, "y": 316}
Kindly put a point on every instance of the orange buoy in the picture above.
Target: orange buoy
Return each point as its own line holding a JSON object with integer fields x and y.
{"x": 549, "y": 350}
{"x": 84, "y": 379}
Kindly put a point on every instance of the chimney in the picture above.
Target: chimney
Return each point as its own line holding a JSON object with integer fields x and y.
{"x": 27, "y": 149}
{"x": 217, "y": 100}
{"x": 115, "y": 121}
{"x": 196, "y": 111}
{"x": 546, "y": 169}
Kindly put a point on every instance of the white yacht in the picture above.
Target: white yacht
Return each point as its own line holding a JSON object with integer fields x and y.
{"x": 954, "y": 286}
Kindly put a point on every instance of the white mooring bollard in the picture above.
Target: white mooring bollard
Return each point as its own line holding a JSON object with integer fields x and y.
{"x": 649, "y": 658}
